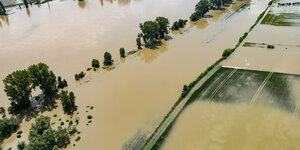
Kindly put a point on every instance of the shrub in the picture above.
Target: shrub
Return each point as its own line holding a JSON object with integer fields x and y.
{"x": 107, "y": 59}
{"x": 61, "y": 83}
{"x": 89, "y": 116}
{"x": 175, "y": 26}
{"x": 77, "y": 77}
{"x": 55, "y": 115}
{"x": 81, "y": 74}
{"x": 271, "y": 46}
{"x": 67, "y": 100}
{"x": 95, "y": 63}
{"x": 62, "y": 123}
{"x": 21, "y": 145}
{"x": 122, "y": 52}
{"x": 227, "y": 52}
{"x": 78, "y": 138}
{"x": 88, "y": 69}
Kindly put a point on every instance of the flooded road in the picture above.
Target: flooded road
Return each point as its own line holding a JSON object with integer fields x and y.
{"x": 137, "y": 94}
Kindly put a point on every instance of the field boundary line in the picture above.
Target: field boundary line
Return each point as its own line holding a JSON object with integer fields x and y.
{"x": 253, "y": 99}
{"x": 221, "y": 84}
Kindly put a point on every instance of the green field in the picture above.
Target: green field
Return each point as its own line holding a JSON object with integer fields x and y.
{"x": 282, "y": 19}
{"x": 229, "y": 85}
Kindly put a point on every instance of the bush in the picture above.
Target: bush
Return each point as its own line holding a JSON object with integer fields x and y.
{"x": 89, "y": 116}
{"x": 107, "y": 59}
{"x": 88, "y": 69}
{"x": 175, "y": 26}
{"x": 77, "y": 77}
{"x": 122, "y": 52}
{"x": 81, "y": 74}
{"x": 67, "y": 100}
{"x": 182, "y": 23}
{"x": 95, "y": 63}
{"x": 61, "y": 83}
{"x": 227, "y": 52}
{"x": 21, "y": 145}
{"x": 78, "y": 138}
{"x": 271, "y": 46}
{"x": 195, "y": 16}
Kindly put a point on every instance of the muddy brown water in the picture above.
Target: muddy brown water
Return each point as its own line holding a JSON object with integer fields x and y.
{"x": 142, "y": 88}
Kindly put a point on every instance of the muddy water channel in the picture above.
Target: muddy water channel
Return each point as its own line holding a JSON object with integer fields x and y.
{"x": 133, "y": 98}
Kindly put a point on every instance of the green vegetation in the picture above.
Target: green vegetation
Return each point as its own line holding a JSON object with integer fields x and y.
{"x": 227, "y": 52}
{"x": 88, "y": 69}
{"x": 61, "y": 83}
{"x": 43, "y": 77}
{"x": 282, "y": 19}
{"x": 42, "y": 136}
{"x": 178, "y": 24}
{"x": 55, "y": 115}
{"x": 78, "y": 138}
{"x": 2, "y": 112}
{"x": 89, "y": 116}
{"x": 201, "y": 8}
{"x": 131, "y": 52}
{"x": 107, "y": 59}
{"x": 7, "y": 127}
{"x": 138, "y": 41}
{"x": 21, "y": 145}
{"x": 163, "y": 24}
{"x": 17, "y": 86}
{"x": 25, "y": 3}
{"x": 67, "y": 100}
{"x": 150, "y": 31}
{"x": 2, "y": 9}
{"x": 95, "y": 63}
{"x": 79, "y": 76}
{"x": 271, "y": 46}
{"x": 19, "y": 133}
{"x": 122, "y": 52}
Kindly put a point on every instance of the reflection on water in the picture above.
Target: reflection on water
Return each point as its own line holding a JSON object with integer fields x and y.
{"x": 82, "y": 4}
{"x": 28, "y": 12}
{"x": 5, "y": 19}
{"x": 206, "y": 125}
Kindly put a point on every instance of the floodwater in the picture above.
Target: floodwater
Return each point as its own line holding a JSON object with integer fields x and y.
{"x": 283, "y": 58}
{"x": 217, "y": 126}
{"x": 142, "y": 88}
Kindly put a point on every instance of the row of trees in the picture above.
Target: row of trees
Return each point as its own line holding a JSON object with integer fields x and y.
{"x": 203, "y": 6}
{"x": 152, "y": 30}
{"x": 43, "y": 137}
{"x": 7, "y": 127}
{"x": 19, "y": 85}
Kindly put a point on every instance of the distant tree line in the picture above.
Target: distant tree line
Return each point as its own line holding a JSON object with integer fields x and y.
{"x": 203, "y": 6}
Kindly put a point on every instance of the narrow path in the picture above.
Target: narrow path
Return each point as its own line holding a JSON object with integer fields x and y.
{"x": 161, "y": 129}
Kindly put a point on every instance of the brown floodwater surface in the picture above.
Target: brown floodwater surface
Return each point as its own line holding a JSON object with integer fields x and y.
{"x": 217, "y": 126}
{"x": 141, "y": 89}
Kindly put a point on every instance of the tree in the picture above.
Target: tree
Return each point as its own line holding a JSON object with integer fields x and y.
{"x": 44, "y": 78}
{"x": 2, "y": 112}
{"x": 95, "y": 63}
{"x": 122, "y": 52}
{"x": 163, "y": 26}
{"x": 67, "y": 99}
{"x": 181, "y": 23}
{"x": 195, "y": 16}
{"x": 7, "y": 127}
{"x": 26, "y": 3}
{"x": 61, "y": 83}
{"x": 175, "y": 26}
{"x": 42, "y": 123}
{"x": 150, "y": 30}
{"x": 202, "y": 7}
{"x": 138, "y": 41}
{"x": 2, "y": 9}
{"x": 62, "y": 137}
{"x": 107, "y": 59}
{"x": 17, "y": 86}
{"x": 216, "y": 3}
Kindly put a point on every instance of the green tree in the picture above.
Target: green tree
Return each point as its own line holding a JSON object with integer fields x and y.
{"x": 7, "y": 127}
{"x": 2, "y": 9}
{"x": 216, "y": 3}
{"x": 44, "y": 78}
{"x": 107, "y": 59}
{"x": 17, "y": 86}
{"x": 95, "y": 63}
{"x": 62, "y": 137}
{"x": 122, "y": 52}
{"x": 2, "y": 112}
{"x": 67, "y": 99}
{"x": 195, "y": 16}
{"x": 202, "y": 7}
{"x": 138, "y": 41}
{"x": 163, "y": 26}
{"x": 42, "y": 123}
{"x": 61, "y": 83}
{"x": 175, "y": 26}
{"x": 21, "y": 145}
{"x": 150, "y": 30}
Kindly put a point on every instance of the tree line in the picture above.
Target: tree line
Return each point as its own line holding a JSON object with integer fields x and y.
{"x": 203, "y": 6}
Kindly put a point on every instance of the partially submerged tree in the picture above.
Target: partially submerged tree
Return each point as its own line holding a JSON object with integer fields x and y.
{"x": 150, "y": 30}
{"x": 17, "y": 86}
{"x": 95, "y": 63}
{"x": 67, "y": 100}
{"x": 122, "y": 52}
{"x": 107, "y": 59}
{"x": 138, "y": 41}
{"x": 26, "y": 3}
{"x": 44, "y": 78}
{"x": 163, "y": 26}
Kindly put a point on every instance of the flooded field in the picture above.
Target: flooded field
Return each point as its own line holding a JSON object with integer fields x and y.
{"x": 236, "y": 103}
{"x": 247, "y": 109}
{"x": 135, "y": 96}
